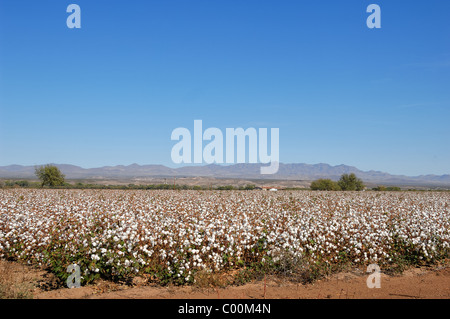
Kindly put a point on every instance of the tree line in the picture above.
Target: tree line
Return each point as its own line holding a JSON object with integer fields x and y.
{"x": 51, "y": 176}
{"x": 347, "y": 182}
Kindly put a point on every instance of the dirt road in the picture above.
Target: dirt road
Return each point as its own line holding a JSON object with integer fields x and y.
{"x": 417, "y": 283}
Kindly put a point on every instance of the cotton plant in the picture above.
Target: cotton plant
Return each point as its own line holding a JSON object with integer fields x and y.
{"x": 173, "y": 234}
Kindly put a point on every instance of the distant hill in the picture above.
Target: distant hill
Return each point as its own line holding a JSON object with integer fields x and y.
{"x": 294, "y": 171}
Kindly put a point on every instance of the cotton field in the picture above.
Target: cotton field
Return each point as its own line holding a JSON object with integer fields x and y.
{"x": 174, "y": 234}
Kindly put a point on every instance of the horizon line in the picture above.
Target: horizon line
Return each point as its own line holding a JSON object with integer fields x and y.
{"x": 224, "y": 165}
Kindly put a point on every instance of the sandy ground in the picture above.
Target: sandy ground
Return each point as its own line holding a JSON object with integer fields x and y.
{"x": 416, "y": 283}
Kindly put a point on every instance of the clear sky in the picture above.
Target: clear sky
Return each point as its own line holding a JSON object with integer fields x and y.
{"x": 112, "y": 92}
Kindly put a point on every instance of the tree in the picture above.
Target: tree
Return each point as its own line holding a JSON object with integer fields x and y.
{"x": 349, "y": 182}
{"x": 324, "y": 185}
{"x": 49, "y": 175}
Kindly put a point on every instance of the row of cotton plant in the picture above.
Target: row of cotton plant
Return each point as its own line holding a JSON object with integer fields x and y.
{"x": 173, "y": 234}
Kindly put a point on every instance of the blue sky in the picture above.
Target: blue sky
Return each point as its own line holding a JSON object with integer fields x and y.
{"x": 112, "y": 92}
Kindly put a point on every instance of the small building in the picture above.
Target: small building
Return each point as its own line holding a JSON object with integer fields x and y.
{"x": 271, "y": 188}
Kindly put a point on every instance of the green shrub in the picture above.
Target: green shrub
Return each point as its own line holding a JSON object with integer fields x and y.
{"x": 349, "y": 182}
{"x": 325, "y": 185}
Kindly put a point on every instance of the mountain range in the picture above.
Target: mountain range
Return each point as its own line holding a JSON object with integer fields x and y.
{"x": 295, "y": 171}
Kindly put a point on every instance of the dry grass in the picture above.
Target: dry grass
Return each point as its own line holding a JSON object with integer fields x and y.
{"x": 205, "y": 279}
{"x": 13, "y": 283}
{"x": 104, "y": 286}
